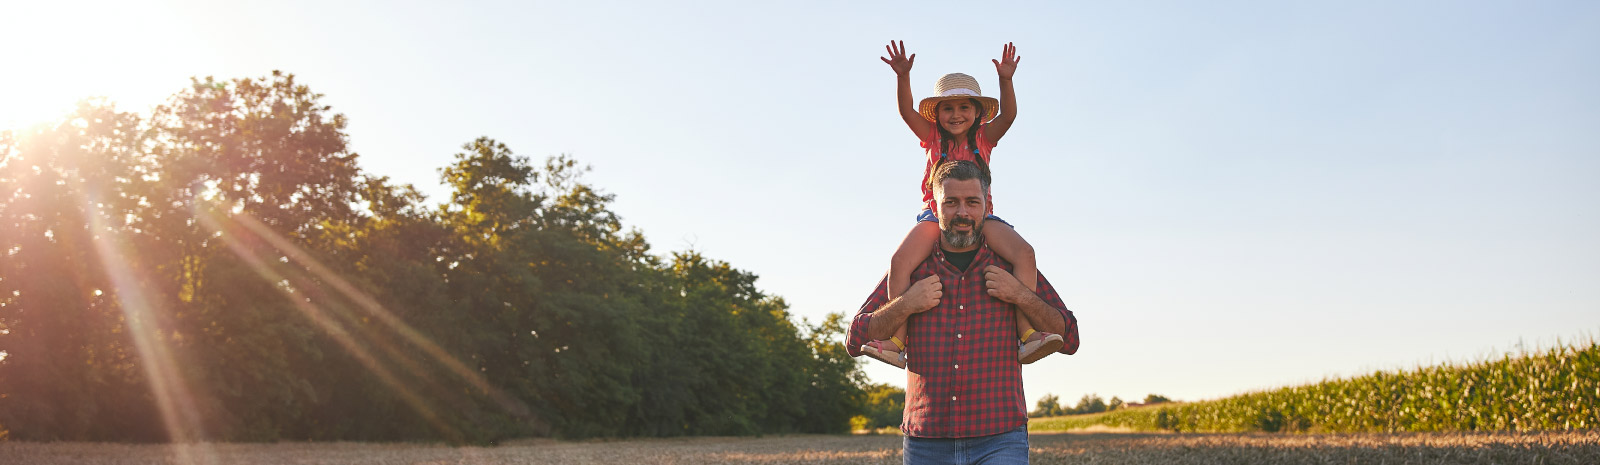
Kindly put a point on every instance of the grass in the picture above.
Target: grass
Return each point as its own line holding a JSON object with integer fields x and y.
{"x": 1553, "y": 390}
{"x": 1093, "y": 421}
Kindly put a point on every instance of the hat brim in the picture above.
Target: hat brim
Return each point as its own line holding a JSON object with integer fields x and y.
{"x": 929, "y": 107}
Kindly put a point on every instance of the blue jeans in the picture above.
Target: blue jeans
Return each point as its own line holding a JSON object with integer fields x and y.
{"x": 1004, "y": 448}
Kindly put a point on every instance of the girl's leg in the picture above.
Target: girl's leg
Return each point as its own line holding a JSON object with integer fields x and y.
{"x": 1009, "y": 245}
{"x": 1024, "y": 328}
{"x": 1012, "y": 247}
{"x": 913, "y": 250}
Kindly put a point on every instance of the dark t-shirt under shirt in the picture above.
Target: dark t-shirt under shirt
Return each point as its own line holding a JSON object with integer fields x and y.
{"x": 961, "y": 260}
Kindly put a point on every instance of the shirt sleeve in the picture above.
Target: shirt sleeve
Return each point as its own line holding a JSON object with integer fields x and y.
{"x": 863, "y": 320}
{"x": 1050, "y": 297}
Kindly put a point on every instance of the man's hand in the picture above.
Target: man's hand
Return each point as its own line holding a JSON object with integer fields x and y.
{"x": 1006, "y": 66}
{"x": 920, "y": 297}
{"x": 898, "y": 61}
{"x": 1002, "y": 285}
{"x": 923, "y": 295}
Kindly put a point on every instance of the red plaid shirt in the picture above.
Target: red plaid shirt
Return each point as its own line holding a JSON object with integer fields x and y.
{"x": 962, "y": 375}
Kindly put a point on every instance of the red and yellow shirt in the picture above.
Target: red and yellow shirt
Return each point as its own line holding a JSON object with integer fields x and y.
{"x": 960, "y": 150}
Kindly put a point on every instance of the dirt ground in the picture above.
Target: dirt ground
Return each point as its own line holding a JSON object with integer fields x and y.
{"x": 1048, "y": 448}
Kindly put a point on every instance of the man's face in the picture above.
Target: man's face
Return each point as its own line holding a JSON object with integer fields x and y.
{"x": 962, "y": 208}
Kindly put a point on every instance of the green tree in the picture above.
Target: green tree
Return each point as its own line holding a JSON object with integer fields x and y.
{"x": 287, "y": 295}
{"x": 835, "y": 380}
{"x": 885, "y": 406}
{"x": 70, "y": 372}
{"x": 1048, "y": 406}
{"x": 538, "y": 308}
{"x": 744, "y": 347}
{"x": 1090, "y": 403}
{"x": 251, "y": 171}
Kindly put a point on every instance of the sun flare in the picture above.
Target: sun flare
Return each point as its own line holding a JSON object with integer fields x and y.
{"x": 59, "y": 53}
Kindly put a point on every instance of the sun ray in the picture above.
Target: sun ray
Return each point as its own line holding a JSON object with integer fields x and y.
{"x": 327, "y": 322}
{"x": 372, "y": 308}
{"x": 174, "y": 399}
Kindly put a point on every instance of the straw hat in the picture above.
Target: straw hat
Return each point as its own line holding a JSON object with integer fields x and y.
{"x": 956, "y": 86}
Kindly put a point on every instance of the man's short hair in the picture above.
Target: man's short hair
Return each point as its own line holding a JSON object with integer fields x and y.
{"x": 960, "y": 170}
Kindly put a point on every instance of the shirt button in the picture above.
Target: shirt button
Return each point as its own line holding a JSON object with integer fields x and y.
{"x": 958, "y": 335}
{"x": 952, "y": 398}
{"x": 961, "y": 307}
{"x": 958, "y": 366}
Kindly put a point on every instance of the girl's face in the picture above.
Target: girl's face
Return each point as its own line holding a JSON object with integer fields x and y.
{"x": 957, "y": 116}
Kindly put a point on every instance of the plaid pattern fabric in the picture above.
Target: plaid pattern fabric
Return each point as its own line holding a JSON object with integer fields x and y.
{"x": 934, "y": 146}
{"x": 962, "y": 378}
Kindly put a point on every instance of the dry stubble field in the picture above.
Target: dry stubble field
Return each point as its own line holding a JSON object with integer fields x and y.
{"x": 1048, "y": 448}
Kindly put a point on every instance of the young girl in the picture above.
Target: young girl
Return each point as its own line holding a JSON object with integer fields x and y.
{"x": 958, "y": 123}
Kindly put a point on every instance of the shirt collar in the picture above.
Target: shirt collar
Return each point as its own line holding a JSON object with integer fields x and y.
{"x": 981, "y": 257}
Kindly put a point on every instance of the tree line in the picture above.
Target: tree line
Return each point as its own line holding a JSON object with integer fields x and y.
{"x": 221, "y": 268}
{"x": 1050, "y": 405}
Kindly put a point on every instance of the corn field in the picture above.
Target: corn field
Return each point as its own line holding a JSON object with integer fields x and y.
{"x": 1554, "y": 390}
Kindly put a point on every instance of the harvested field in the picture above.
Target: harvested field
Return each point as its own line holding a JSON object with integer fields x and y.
{"x": 1049, "y": 448}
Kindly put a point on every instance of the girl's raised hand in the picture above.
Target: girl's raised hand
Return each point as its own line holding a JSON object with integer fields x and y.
{"x": 897, "y": 58}
{"x": 1007, "y": 64}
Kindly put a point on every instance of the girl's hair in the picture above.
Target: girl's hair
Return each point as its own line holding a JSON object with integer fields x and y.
{"x": 947, "y": 141}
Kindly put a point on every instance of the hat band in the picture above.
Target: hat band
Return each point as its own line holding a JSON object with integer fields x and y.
{"x": 959, "y": 91}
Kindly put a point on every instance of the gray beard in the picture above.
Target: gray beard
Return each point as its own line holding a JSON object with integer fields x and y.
{"x": 962, "y": 240}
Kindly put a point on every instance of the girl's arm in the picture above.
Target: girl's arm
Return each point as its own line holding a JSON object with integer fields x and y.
{"x": 1006, "y": 66}
{"x": 901, "y": 64}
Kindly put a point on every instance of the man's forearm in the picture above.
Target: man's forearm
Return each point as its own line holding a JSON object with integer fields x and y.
{"x": 888, "y": 319}
{"x": 1043, "y": 316}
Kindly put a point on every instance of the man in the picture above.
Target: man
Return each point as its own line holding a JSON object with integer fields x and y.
{"x": 964, "y": 399}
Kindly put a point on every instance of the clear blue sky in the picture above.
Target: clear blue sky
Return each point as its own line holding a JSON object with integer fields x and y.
{"x": 1231, "y": 195}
